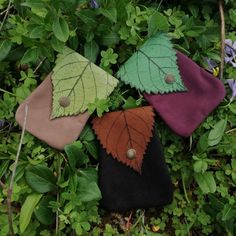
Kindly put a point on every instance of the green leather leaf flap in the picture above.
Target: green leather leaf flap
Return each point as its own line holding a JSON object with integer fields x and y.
{"x": 153, "y": 68}
{"x": 76, "y": 83}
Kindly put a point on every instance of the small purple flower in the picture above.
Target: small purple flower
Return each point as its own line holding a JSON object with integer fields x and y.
{"x": 94, "y": 4}
{"x": 212, "y": 66}
{"x": 232, "y": 85}
{"x": 230, "y": 52}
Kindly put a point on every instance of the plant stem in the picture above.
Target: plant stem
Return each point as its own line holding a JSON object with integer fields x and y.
{"x": 10, "y": 190}
{"x": 222, "y": 17}
{"x": 184, "y": 187}
{"x": 6, "y": 14}
{"x": 38, "y": 66}
{"x": 231, "y": 130}
{"x": 5, "y": 91}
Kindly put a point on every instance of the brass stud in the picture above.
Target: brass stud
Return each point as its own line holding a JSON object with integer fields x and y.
{"x": 131, "y": 154}
{"x": 169, "y": 79}
{"x": 64, "y": 101}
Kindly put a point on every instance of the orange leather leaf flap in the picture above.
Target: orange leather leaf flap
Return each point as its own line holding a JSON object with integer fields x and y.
{"x": 126, "y": 134}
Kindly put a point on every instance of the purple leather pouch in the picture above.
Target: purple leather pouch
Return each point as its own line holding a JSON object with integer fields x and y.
{"x": 183, "y": 112}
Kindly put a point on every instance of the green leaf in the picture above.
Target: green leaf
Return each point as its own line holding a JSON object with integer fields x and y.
{"x": 33, "y": 3}
{"x": 130, "y": 103}
{"x": 40, "y": 178}
{"x": 229, "y": 212}
{"x": 91, "y": 50}
{"x": 75, "y": 155}
{"x": 150, "y": 67}
{"x": 37, "y": 32}
{"x": 88, "y": 188}
{"x": 57, "y": 45}
{"x": 110, "y": 39}
{"x": 157, "y": 22}
{"x": 5, "y": 48}
{"x": 87, "y": 134}
{"x": 100, "y": 105}
{"x": 216, "y": 202}
{"x": 27, "y": 210}
{"x": 31, "y": 55}
{"x": 206, "y": 182}
{"x": 60, "y": 29}
{"x": 92, "y": 149}
{"x": 3, "y": 167}
{"x": 110, "y": 13}
{"x": 217, "y": 132}
{"x": 43, "y": 212}
{"x": 80, "y": 82}
{"x": 202, "y": 144}
{"x": 200, "y": 166}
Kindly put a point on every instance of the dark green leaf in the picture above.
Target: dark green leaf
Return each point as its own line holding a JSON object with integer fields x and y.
{"x": 60, "y": 29}
{"x": 88, "y": 188}
{"x": 157, "y": 22}
{"x": 43, "y": 212}
{"x": 40, "y": 178}
{"x": 228, "y": 213}
{"x": 91, "y": 50}
{"x": 110, "y": 39}
{"x": 57, "y": 45}
{"x": 31, "y": 55}
{"x": 4, "y": 167}
{"x": 33, "y": 3}
{"x": 37, "y": 32}
{"x": 5, "y": 47}
{"x": 87, "y": 134}
{"x": 110, "y": 13}
{"x": 216, "y": 202}
{"x": 202, "y": 144}
{"x": 92, "y": 149}
{"x": 75, "y": 155}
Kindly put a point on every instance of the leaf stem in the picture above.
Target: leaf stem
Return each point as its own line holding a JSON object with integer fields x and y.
{"x": 222, "y": 17}
{"x": 10, "y": 190}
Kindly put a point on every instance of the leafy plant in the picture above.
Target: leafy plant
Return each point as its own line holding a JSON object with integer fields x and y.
{"x": 56, "y": 192}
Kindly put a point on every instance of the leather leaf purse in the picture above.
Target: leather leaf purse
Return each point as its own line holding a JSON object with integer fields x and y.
{"x": 57, "y": 108}
{"x": 132, "y": 169}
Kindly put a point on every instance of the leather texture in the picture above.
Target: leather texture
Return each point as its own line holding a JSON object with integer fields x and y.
{"x": 55, "y": 132}
{"x": 183, "y": 112}
{"x": 124, "y": 189}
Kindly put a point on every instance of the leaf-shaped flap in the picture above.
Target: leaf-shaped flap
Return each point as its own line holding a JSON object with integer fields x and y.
{"x": 153, "y": 68}
{"x": 126, "y": 134}
{"x": 78, "y": 82}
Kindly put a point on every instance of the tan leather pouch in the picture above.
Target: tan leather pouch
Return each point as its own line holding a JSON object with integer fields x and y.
{"x": 55, "y": 132}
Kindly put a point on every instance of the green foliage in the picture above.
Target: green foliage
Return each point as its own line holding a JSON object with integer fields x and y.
{"x": 56, "y": 192}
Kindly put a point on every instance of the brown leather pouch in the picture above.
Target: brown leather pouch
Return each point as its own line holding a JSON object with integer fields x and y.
{"x": 55, "y": 132}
